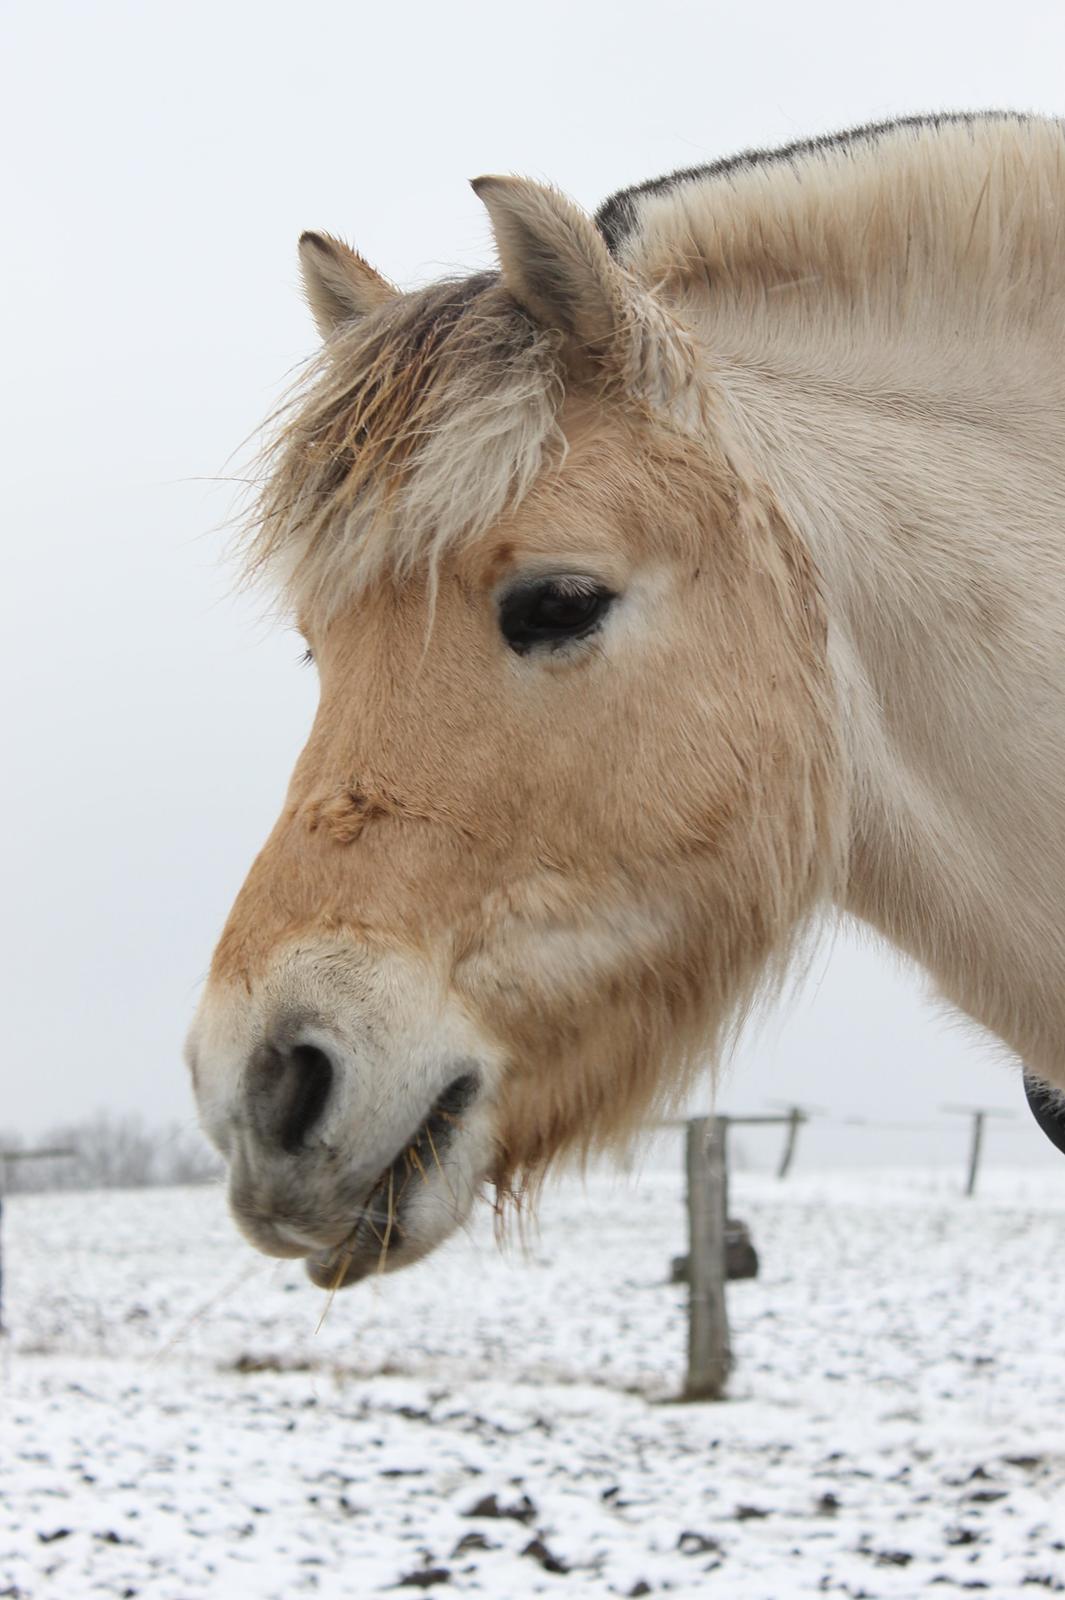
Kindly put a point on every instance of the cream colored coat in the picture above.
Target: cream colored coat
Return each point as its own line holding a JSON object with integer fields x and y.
{"x": 805, "y": 427}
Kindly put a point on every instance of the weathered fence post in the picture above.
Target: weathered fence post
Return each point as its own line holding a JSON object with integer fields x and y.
{"x": 796, "y": 1118}
{"x": 979, "y": 1115}
{"x": 975, "y": 1148}
{"x": 709, "y": 1350}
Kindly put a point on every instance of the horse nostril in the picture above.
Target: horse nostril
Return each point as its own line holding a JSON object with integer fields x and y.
{"x": 290, "y": 1087}
{"x": 311, "y": 1091}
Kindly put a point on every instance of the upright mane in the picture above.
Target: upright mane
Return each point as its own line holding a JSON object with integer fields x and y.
{"x": 880, "y": 215}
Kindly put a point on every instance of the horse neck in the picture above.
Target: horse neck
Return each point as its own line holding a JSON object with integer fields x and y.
{"x": 927, "y": 483}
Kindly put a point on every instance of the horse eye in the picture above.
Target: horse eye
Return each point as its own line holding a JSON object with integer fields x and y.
{"x": 551, "y": 611}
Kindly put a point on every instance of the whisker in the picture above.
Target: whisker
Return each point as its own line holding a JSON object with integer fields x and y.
{"x": 367, "y": 1218}
{"x": 345, "y": 1262}
{"x": 184, "y": 1328}
{"x": 443, "y": 1174}
{"x": 388, "y": 1226}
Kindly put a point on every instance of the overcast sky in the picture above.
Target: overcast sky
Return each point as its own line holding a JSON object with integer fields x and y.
{"x": 161, "y": 162}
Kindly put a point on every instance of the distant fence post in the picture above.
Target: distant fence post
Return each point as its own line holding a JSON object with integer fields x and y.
{"x": 979, "y": 1115}
{"x": 709, "y": 1350}
{"x": 974, "y": 1151}
{"x": 796, "y": 1118}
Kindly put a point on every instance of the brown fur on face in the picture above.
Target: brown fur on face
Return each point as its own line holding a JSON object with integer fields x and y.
{"x": 600, "y": 851}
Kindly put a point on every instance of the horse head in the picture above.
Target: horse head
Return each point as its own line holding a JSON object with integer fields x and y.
{"x": 571, "y": 786}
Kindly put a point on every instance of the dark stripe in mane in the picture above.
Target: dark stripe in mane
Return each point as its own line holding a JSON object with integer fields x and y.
{"x": 618, "y": 217}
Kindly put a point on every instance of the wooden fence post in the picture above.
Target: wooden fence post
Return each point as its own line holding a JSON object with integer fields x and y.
{"x": 979, "y": 1115}
{"x": 795, "y": 1121}
{"x": 709, "y": 1350}
{"x": 974, "y": 1151}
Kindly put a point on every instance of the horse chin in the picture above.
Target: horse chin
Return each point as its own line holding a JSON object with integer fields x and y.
{"x": 410, "y": 1213}
{"x": 350, "y": 1264}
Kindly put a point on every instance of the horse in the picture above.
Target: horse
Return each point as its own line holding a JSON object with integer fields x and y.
{"x": 693, "y": 576}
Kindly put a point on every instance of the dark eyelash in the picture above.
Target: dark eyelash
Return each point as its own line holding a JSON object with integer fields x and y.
{"x": 307, "y": 658}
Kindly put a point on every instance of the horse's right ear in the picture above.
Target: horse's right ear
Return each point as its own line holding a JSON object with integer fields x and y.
{"x": 556, "y": 264}
{"x": 340, "y": 286}
{"x": 555, "y": 261}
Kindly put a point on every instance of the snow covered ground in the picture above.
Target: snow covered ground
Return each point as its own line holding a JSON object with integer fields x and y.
{"x": 174, "y": 1427}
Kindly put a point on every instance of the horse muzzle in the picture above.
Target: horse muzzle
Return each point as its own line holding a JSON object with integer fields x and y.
{"x": 352, "y": 1140}
{"x": 347, "y": 1219}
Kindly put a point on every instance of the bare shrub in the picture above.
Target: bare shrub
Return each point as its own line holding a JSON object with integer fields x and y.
{"x": 111, "y": 1151}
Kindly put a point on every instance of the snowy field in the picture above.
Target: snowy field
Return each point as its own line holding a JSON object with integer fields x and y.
{"x": 174, "y": 1427}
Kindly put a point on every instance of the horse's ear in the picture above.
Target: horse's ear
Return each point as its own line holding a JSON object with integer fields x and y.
{"x": 555, "y": 261}
{"x": 340, "y": 286}
{"x": 556, "y": 264}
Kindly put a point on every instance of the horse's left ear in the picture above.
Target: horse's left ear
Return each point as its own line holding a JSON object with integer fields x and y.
{"x": 556, "y": 264}
{"x": 340, "y": 286}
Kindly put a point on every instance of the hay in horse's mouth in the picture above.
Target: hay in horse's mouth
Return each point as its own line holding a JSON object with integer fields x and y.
{"x": 379, "y": 1228}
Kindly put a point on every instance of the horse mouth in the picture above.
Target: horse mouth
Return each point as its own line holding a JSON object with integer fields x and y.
{"x": 381, "y": 1234}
